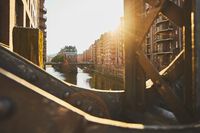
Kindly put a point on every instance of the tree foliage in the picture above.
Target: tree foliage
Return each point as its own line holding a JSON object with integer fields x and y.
{"x": 58, "y": 58}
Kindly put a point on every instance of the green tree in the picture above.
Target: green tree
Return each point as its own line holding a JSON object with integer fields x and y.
{"x": 58, "y": 58}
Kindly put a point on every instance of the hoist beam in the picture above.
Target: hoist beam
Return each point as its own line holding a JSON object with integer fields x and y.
{"x": 170, "y": 10}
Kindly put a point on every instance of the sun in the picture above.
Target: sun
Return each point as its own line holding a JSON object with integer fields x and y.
{"x": 80, "y": 22}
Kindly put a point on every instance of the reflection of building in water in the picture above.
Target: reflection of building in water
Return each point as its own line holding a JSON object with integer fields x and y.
{"x": 99, "y": 81}
{"x": 71, "y": 78}
{"x": 87, "y": 80}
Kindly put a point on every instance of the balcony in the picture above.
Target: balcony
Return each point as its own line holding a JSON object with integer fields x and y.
{"x": 42, "y": 26}
{"x": 163, "y": 38}
{"x": 160, "y": 21}
{"x": 148, "y": 52}
{"x": 43, "y": 18}
{"x": 148, "y": 36}
{"x": 45, "y": 34}
{"x": 43, "y": 10}
{"x": 160, "y": 40}
{"x": 162, "y": 52}
{"x": 163, "y": 29}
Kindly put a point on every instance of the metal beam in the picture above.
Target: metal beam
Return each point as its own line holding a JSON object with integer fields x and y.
{"x": 175, "y": 70}
{"x": 149, "y": 19}
{"x": 164, "y": 89}
{"x": 135, "y": 32}
{"x": 174, "y": 13}
{"x": 134, "y": 75}
{"x": 19, "y": 98}
{"x": 197, "y": 50}
{"x": 188, "y": 74}
{"x": 171, "y": 10}
{"x": 26, "y": 70}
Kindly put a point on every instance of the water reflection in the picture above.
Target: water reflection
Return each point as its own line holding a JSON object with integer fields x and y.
{"x": 83, "y": 79}
{"x": 104, "y": 82}
{"x": 55, "y": 73}
{"x": 70, "y": 77}
{"x": 88, "y": 79}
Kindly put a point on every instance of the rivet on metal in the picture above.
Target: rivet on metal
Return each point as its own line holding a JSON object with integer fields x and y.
{"x": 138, "y": 78}
{"x": 33, "y": 78}
{"x": 157, "y": 3}
{"x": 66, "y": 95}
{"x": 89, "y": 109}
{"x": 157, "y": 83}
{"x": 5, "y": 107}
{"x": 101, "y": 114}
{"x": 78, "y": 103}
{"x": 162, "y": 88}
{"x": 45, "y": 100}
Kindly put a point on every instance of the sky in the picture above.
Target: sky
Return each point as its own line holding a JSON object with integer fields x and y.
{"x": 80, "y": 22}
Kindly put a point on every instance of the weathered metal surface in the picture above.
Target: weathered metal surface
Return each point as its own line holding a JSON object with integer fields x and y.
{"x": 28, "y": 71}
{"x": 31, "y": 112}
{"x": 188, "y": 74}
{"x": 4, "y": 22}
{"x": 153, "y": 3}
{"x": 149, "y": 19}
{"x": 175, "y": 70}
{"x": 134, "y": 36}
{"x": 37, "y": 111}
{"x": 28, "y": 42}
{"x": 3, "y": 45}
{"x": 171, "y": 10}
{"x": 134, "y": 75}
{"x": 164, "y": 89}
{"x": 112, "y": 100}
{"x": 98, "y": 103}
{"x": 197, "y": 47}
{"x": 174, "y": 13}
{"x": 91, "y": 104}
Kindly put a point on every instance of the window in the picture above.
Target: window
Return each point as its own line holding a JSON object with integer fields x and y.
{"x": 19, "y": 7}
{"x": 4, "y": 21}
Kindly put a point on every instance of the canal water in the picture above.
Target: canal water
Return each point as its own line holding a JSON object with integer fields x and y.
{"x": 87, "y": 79}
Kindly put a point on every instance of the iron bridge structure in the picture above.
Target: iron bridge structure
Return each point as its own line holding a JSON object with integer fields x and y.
{"x": 33, "y": 101}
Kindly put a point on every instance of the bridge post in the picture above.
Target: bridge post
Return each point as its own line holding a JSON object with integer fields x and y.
{"x": 192, "y": 56}
{"x": 197, "y": 50}
{"x": 134, "y": 78}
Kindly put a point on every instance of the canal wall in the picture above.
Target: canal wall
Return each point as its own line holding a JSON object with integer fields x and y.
{"x": 65, "y": 68}
{"x": 116, "y": 73}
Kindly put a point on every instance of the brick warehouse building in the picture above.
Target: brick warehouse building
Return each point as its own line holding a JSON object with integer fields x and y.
{"x": 107, "y": 53}
{"x": 24, "y": 14}
{"x": 162, "y": 44}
